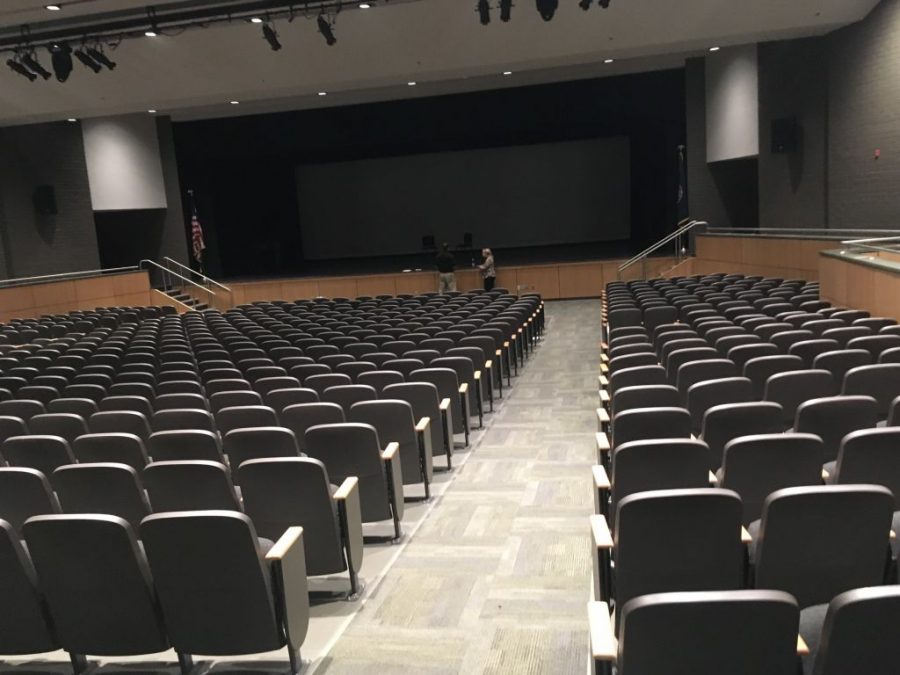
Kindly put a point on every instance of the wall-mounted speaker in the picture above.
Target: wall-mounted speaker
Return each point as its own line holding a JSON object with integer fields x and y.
{"x": 785, "y": 135}
{"x": 44, "y": 198}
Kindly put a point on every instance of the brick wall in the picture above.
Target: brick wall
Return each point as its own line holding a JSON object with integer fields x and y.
{"x": 45, "y": 154}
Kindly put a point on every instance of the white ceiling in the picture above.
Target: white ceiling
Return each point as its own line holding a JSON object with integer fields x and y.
{"x": 437, "y": 43}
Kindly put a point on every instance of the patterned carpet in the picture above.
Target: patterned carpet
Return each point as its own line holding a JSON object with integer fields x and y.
{"x": 497, "y": 578}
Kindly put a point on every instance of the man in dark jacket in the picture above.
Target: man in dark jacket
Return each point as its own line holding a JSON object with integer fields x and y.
{"x": 446, "y": 265}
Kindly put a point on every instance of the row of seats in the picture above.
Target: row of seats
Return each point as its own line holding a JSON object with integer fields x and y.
{"x": 267, "y": 413}
{"x": 677, "y": 546}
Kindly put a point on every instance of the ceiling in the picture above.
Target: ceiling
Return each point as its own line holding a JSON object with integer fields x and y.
{"x": 439, "y": 44}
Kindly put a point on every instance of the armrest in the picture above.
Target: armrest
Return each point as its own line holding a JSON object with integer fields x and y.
{"x": 426, "y": 451}
{"x": 477, "y": 375}
{"x": 498, "y": 353}
{"x": 604, "y": 368}
{"x": 600, "y": 532}
{"x": 350, "y": 483}
{"x": 506, "y": 343}
{"x": 825, "y": 476}
{"x": 802, "y": 649}
{"x": 464, "y": 387}
{"x": 350, "y": 515}
{"x": 603, "y": 415}
{"x": 712, "y": 478}
{"x": 602, "y": 443}
{"x": 604, "y": 357}
{"x": 445, "y": 404}
{"x": 604, "y": 346}
{"x": 604, "y": 381}
{"x": 603, "y": 641}
{"x": 488, "y": 364}
{"x": 604, "y": 396}
{"x": 390, "y": 451}
{"x": 422, "y": 425}
{"x": 287, "y": 560}
{"x": 601, "y": 480}
{"x": 745, "y": 536}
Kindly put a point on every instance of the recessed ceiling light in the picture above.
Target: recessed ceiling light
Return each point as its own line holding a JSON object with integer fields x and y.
{"x": 152, "y": 112}
{"x": 323, "y": 93}
{"x": 411, "y": 84}
{"x": 714, "y": 49}
{"x": 52, "y": 8}
{"x": 150, "y": 33}
{"x": 364, "y": 5}
{"x": 256, "y": 19}
{"x": 507, "y": 72}
{"x": 608, "y": 60}
{"x": 71, "y": 119}
{"x": 234, "y": 102}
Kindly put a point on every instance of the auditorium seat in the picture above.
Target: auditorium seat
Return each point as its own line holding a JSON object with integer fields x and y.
{"x": 111, "y": 488}
{"x": 44, "y": 453}
{"x": 111, "y": 447}
{"x": 189, "y": 485}
{"x": 241, "y": 444}
{"x": 24, "y": 492}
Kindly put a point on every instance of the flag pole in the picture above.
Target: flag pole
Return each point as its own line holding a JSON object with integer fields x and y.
{"x": 194, "y": 215}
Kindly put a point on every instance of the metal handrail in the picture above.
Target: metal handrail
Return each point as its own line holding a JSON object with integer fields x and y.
{"x": 677, "y": 234}
{"x": 824, "y": 232}
{"x": 167, "y": 274}
{"x": 199, "y": 274}
{"x": 22, "y": 281}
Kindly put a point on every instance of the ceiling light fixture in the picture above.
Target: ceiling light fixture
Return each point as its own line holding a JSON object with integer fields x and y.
{"x": 507, "y": 72}
{"x": 364, "y": 5}
{"x": 235, "y": 102}
{"x": 608, "y": 60}
{"x": 152, "y": 111}
{"x": 53, "y": 8}
{"x": 256, "y": 19}
{"x": 323, "y": 93}
{"x": 153, "y": 31}
{"x": 326, "y": 28}
{"x": 30, "y": 60}
{"x": 714, "y": 49}
{"x": 547, "y": 8}
{"x": 484, "y": 12}
{"x": 505, "y": 10}
{"x": 61, "y": 59}
{"x": 17, "y": 67}
{"x": 71, "y": 119}
{"x": 271, "y": 37}
{"x": 410, "y": 84}
{"x": 150, "y": 33}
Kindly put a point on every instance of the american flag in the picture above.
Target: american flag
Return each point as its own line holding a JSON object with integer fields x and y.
{"x": 197, "y": 238}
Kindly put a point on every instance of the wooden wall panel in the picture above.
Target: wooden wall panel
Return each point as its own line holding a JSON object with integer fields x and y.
{"x": 58, "y": 293}
{"x": 580, "y": 281}
{"x": 381, "y": 284}
{"x": 508, "y": 278}
{"x": 418, "y": 282}
{"x": 338, "y": 287}
{"x": 538, "y": 279}
{"x": 769, "y": 256}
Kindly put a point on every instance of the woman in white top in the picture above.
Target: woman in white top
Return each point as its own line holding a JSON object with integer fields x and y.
{"x": 488, "y": 272}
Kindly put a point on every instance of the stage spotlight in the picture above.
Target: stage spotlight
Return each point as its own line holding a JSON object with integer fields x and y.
{"x": 271, "y": 37}
{"x": 61, "y": 59}
{"x": 30, "y": 60}
{"x": 585, "y": 4}
{"x": 325, "y": 28}
{"x": 17, "y": 67}
{"x": 505, "y": 10}
{"x": 101, "y": 58}
{"x": 547, "y": 8}
{"x": 87, "y": 61}
{"x": 484, "y": 12}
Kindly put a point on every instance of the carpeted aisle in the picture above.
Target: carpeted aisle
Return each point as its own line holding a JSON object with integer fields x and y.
{"x": 497, "y": 578}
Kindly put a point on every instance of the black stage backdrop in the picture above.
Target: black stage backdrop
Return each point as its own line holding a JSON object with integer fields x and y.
{"x": 257, "y": 223}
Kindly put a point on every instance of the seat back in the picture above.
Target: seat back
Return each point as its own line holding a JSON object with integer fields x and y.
{"x": 838, "y": 362}
{"x": 722, "y": 423}
{"x": 760, "y": 369}
{"x": 11, "y": 426}
{"x": 734, "y": 632}
{"x": 758, "y": 465}
{"x": 447, "y": 383}
{"x": 190, "y": 485}
{"x": 24, "y": 492}
{"x": 857, "y": 633}
{"x": 347, "y": 395}
{"x": 245, "y": 417}
{"x": 281, "y": 493}
{"x": 300, "y": 417}
{"x": 97, "y": 584}
{"x": 791, "y": 389}
{"x": 645, "y": 396}
{"x": 880, "y": 381}
{"x": 423, "y": 398}
{"x": 692, "y": 372}
{"x": 833, "y": 417}
{"x": 44, "y": 453}
{"x": 233, "y": 399}
{"x": 184, "y": 444}
{"x": 121, "y": 421}
{"x": 795, "y": 549}
{"x": 394, "y": 422}
{"x": 646, "y": 423}
{"x": 112, "y": 447}
{"x": 699, "y": 532}
{"x": 871, "y": 456}
{"x": 103, "y": 487}
{"x": 258, "y": 442}
{"x": 279, "y": 399}
{"x": 352, "y": 449}
{"x": 194, "y": 556}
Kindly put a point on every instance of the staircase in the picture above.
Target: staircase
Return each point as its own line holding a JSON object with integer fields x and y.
{"x": 185, "y": 299}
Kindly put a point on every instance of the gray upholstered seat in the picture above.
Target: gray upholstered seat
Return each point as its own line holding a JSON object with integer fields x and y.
{"x": 24, "y": 409}
{"x": 286, "y": 492}
{"x": 103, "y": 487}
{"x": 425, "y": 402}
{"x": 44, "y": 453}
{"x": 319, "y": 383}
{"x": 78, "y": 406}
{"x": 233, "y": 399}
{"x": 194, "y": 555}
{"x": 394, "y": 421}
{"x": 756, "y": 465}
{"x": 122, "y": 421}
{"x": 64, "y": 425}
{"x": 245, "y": 417}
{"x": 279, "y": 399}
{"x": 24, "y": 492}
{"x": 808, "y": 350}
{"x": 760, "y": 369}
{"x": 300, "y": 417}
{"x": 795, "y": 547}
{"x": 448, "y": 386}
{"x": 636, "y": 376}
{"x": 184, "y": 444}
{"x": 379, "y": 379}
{"x": 178, "y": 401}
{"x": 258, "y": 442}
{"x": 183, "y": 418}
{"x": 640, "y": 424}
{"x": 791, "y": 389}
{"x": 11, "y": 426}
{"x": 839, "y": 361}
{"x": 97, "y": 585}
{"x": 722, "y": 423}
{"x": 127, "y": 402}
{"x": 190, "y": 485}
{"x": 645, "y": 396}
{"x": 111, "y": 447}
{"x": 348, "y": 394}
{"x": 355, "y": 450}
{"x": 833, "y": 417}
{"x": 880, "y": 381}
{"x": 692, "y": 372}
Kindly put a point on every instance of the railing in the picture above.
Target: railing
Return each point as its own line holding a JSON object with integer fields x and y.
{"x": 795, "y": 232}
{"x": 65, "y": 276}
{"x": 169, "y": 277}
{"x": 680, "y": 249}
{"x": 223, "y": 296}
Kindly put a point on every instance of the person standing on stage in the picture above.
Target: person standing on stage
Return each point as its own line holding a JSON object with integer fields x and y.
{"x": 487, "y": 269}
{"x": 446, "y": 265}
